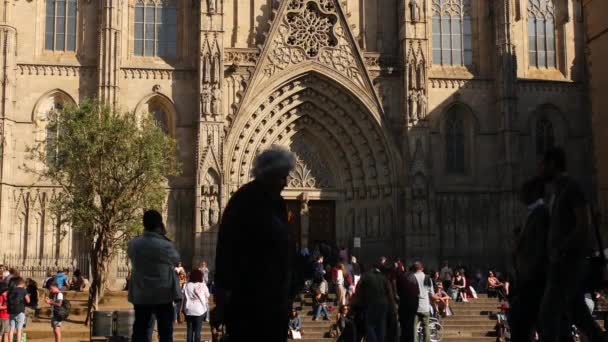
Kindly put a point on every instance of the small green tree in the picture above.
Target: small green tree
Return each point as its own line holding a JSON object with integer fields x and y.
{"x": 110, "y": 166}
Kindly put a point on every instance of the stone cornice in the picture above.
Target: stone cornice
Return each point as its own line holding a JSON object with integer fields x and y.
{"x": 157, "y": 74}
{"x": 56, "y": 70}
{"x": 547, "y": 86}
{"x": 460, "y": 83}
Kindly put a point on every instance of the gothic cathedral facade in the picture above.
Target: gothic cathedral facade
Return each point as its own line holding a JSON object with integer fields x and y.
{"x": 413, "y": 121}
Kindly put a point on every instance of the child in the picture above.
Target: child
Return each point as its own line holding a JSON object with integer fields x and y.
{"x": 17, "y": 299}
{"x": 4, "y": 317}
{"x": 55, "y": 301}
{"x": 319, "y": 306}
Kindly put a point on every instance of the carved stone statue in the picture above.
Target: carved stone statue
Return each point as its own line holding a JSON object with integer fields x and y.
{"x": 415, "y": 10}
{"x": 216, "y": 100}
{"x": 214, "y": 211}
{"x": 421, "y": 111}
{"x": 413, "y": 106}
{"x": 205, "y": 213}
{"x": 211, "y": 6}
{"x": 206, "y": 99}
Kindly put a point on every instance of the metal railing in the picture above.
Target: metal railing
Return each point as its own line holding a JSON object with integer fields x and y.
{"x": 36, "y": 267}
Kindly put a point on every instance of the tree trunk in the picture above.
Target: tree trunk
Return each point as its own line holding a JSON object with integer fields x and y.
{"x": 100, "y": 257}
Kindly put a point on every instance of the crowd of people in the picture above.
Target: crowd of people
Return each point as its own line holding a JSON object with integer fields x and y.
{"x": 257, "y": 266}
{"x": 19, "y": 300}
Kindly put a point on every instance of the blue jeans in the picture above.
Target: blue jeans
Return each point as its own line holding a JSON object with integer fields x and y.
{"x": 195, "y": 325}
{"x": 143, "y": 318}
{"x": 375, "y": 321}
{"x": 321, "y": 309}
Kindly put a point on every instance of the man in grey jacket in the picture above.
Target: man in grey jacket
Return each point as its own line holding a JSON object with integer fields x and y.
{"x": 154, "y": 285}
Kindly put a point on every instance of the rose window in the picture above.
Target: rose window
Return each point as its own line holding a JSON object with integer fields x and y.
{"x": 311, "y": 30}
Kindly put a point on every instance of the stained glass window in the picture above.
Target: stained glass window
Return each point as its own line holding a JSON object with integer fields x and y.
{"x": 452, "y": 32}
{"x": 155, "y": 29}
{"x": 60, "y": 25}
{"x": 541, "y": 33}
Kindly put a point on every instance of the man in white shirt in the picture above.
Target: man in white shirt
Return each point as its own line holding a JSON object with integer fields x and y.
{"x": 424, "y": 305}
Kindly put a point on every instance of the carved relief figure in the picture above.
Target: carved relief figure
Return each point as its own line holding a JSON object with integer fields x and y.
{"x": 415, "y": 10}
{"x": 206, "y": 100}
{"x": 421, "y": 105}
{"x": 216, "y": 98}
{"x": 205, "y": 213}
{"x": 211, "y": 6}
{"x": 214, "y": 211}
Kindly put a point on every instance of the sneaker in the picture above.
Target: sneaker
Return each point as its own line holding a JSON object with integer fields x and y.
{"x": 465, "y": 300}
{"x": 314, "y": 318}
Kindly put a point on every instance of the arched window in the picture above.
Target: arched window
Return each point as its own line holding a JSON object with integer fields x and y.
{"x": 545, "y": 135}
{"x": 52, "y": 133}
{"x": 455, "y": 141}
{"x": 541, "y": 33}
{"x": 452, "y": 34}
{"x": 60, "y": 25}
{"x": 155, "y": 29}
{"x": 160, "y": 116}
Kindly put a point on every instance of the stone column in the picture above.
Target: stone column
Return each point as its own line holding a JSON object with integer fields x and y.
{"x": 210, "y": 192}
{"x": 109, "y": 51}
{"x": 304, "y": 220}
{"x": 419, "y": 206}
{"x": 8, "y": 44}
{"x": 506, "y": 106}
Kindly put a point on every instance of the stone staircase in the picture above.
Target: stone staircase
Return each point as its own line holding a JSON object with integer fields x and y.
{"x": 472, "y": 322}
{"x": 39, "y": 329}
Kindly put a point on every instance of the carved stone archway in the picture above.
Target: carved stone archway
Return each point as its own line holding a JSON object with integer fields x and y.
{"x": 343, "y": 153}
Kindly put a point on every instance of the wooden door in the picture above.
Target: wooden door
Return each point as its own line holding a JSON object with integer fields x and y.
{"x": 322, "y": 221}
{"x": 293, "y": 214}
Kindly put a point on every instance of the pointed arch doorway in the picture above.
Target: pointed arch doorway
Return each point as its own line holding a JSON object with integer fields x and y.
{"x": 311, "y": 193}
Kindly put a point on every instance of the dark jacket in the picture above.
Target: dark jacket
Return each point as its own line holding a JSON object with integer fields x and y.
{"x": 254, "y": 259}
{"x": 408, "y": 292}
{"x": 530, "y": 254}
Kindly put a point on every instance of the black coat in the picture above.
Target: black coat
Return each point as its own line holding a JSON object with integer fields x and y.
{"x": 530, "y": 255}
{"x": 254, "y": 261}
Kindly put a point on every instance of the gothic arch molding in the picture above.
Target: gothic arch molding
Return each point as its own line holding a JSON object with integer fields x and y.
{"x": 50, "y": 97}
{"x": 254, "y": 97}
{"x": 365, "y": 154}
{"x": 165, "y": 104}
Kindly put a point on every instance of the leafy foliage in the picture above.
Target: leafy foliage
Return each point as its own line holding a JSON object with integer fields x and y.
{"x": 110, "y": 167}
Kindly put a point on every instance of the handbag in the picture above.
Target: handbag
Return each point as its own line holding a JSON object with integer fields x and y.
{"x": 598, "y": 266}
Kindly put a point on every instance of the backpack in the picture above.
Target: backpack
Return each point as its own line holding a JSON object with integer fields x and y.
{"x": 62, "y": 312}
{"x": 15, "y": 302}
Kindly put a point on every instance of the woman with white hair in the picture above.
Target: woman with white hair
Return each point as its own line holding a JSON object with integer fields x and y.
{"x": 255, "y": 254}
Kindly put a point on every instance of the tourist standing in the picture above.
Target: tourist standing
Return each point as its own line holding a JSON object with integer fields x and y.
{"x": 446, "y": 275}
{"x": 568, "y": 245}
{"x": 374, "y": 297}
{"x": 154, "y": 286}
{"x": 196, "y": 305}
{"x": 205, "y": 271}
{"x": 55, "y": 301}
{"x": 5, "y": 327}
{"x": 319, "y": 270}
{"x": 340, "y": 284}
{"x": 408, "y": 292}
{"x": 17, "y": 300}
{"x": 423, "y": 313}
{"x": 254, "y": 244}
